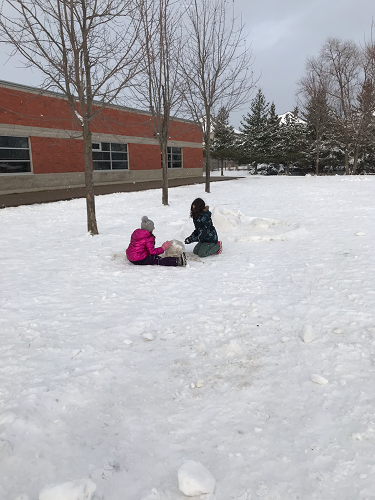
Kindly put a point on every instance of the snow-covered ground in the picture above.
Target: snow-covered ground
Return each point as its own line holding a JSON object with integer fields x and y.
{"x": 261, "y": 365}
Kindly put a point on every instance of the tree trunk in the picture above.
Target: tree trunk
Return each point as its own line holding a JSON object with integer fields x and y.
{"x": 208, "y": 166}
{"x": 355, "y": 161}
{"x": 89, "y": 180}
{"x": 317, "y": 163}
{"x": 317, "y": 158}
{"x": 164, "y": 156}
{"x": 347, "y": 171}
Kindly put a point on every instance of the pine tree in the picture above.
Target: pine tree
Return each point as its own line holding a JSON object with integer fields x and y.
{"x": 223, "y": 143}
{"x": 293, "y": 142}
{"x": 254, "y": 132}
{"x": 274, "y": 136}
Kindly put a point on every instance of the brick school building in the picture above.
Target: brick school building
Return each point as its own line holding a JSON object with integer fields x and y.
{"x": 41, "y": 147}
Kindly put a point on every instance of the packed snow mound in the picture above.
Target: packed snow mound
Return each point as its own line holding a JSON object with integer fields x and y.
{"x": 260, "y": 224}
{"x": 82, "y": 489}
{"x": 234, "y": 226}
{"x": 194, "y": 479}
{"x": 175, "y": 250}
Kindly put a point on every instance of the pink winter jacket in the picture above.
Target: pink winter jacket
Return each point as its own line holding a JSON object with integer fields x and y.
{"x": 142, "y": 243}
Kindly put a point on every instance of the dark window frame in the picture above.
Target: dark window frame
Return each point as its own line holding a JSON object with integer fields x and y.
{"x": 9, "y": 163}
{"x": 175, "y": 159}
{"x": 110, "y": 156}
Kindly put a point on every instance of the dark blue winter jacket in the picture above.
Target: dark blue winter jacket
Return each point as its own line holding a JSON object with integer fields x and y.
{"x": 205, "y": 231}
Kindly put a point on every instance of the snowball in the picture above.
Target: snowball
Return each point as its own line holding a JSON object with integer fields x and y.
{"x": 148, "y": 336}
{"x": 337, "y": 330}
{"x": 128, "y": 342}
{"x": 175, "y": 250}
{"x": 357, "y": 436}
{"x": 259, "y": 224}
{"x": 194, "y": 479}
{"x": 318, "y": 379}
{"x": 307, "y": 334}
{"x": 82, "y": 489}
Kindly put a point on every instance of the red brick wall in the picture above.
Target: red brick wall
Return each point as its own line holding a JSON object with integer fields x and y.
{"x": 144, "y": 157}
{"x": 50, "y": 155}
{"x": 25, "y": 108}
{"x": 192, "y": 158}
{"x": 56, "y": 155}
{"x": 66, "y": 155}
{"x": 181, "y": 131}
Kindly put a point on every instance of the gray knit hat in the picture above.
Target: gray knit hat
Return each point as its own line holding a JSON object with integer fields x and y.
{"x": 147, "y": 224}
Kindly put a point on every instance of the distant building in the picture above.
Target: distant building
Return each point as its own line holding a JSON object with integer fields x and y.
{"x": 41, "y": 147}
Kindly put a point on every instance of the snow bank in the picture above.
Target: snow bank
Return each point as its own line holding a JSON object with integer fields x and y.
{"x": 234, "y": 226}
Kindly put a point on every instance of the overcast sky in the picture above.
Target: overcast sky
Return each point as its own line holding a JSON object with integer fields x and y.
{"x": 283, "y": 33}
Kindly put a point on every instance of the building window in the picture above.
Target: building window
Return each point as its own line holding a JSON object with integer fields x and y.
{"x": 14, "y": 155}
{"x": 110, "y": 156}
{"x": 174, "y": 157}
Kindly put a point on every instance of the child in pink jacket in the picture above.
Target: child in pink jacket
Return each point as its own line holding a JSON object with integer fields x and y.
{"x": 142, "y": 251}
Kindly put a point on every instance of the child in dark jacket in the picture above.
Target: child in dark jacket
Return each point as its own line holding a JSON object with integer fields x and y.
{"x": 205, "y": 233}
{"x": 142, "y": 251}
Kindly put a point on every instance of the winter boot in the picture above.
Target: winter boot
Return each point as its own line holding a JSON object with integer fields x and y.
{"x": 182, "y": 261}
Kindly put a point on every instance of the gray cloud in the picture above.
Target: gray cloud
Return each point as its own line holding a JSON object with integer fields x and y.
{"x": 283, "y": 33}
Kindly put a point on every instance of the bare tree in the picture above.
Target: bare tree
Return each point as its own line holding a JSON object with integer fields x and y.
{"x": 158, "y": 81}
{"x": 338, "y": 92}
{"x": 215, "y": 65}
{"x": 86, "y": 49}
{"x": 351, "y": 95}
{"x": 313, "y": 100}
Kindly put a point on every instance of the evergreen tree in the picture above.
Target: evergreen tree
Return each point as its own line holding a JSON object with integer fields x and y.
{"x": 222, "y": 146}
{"x": 274, "y": 136}
{"x": 254, "y": 132}
{"x": 293, "y": 143}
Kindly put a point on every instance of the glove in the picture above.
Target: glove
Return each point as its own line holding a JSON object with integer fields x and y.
{"x": 187, "y": 241}
{"x": 166, "y": 245}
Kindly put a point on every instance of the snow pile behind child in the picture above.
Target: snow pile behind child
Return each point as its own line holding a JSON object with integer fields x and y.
{"x": 235, "y": 226}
